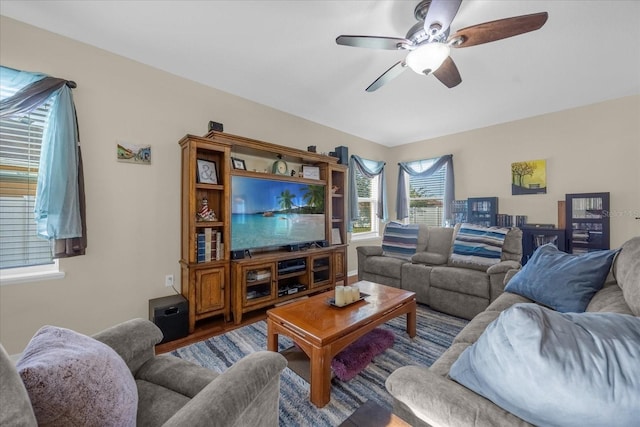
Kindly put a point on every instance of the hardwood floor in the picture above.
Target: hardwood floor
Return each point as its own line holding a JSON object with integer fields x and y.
{"x": 217, "y": 326}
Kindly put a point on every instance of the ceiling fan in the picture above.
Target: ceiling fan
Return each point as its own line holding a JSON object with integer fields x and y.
{"x": 429, "y": 42}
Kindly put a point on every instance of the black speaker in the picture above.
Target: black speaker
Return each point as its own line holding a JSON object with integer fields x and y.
{"x": 343, "y": 155}
{"x": 237, "y": 254}
{"x": 218, "y": 127}
{"x": 171, "y": 315}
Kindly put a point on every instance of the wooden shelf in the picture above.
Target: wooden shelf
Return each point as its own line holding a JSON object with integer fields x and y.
{"x": 263, "y": 175}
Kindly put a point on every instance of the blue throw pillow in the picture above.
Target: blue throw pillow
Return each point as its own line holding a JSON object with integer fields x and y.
{"x": 550, "y": 368}
{"x": 562, "y": 281}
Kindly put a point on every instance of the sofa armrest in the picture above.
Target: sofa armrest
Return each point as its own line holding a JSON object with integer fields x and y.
{"x": 369, "y": 250}
{"x": 503, "y": 267}
{"x": 497, "y": 274}
{"x": 134, "y": 340}
{"x": 439, "y": 401}
{"x": 510, "y": 275}
{"x": 245, "y": 394}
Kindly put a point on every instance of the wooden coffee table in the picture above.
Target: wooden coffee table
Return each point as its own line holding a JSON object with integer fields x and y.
{"x": 322, "y": 331}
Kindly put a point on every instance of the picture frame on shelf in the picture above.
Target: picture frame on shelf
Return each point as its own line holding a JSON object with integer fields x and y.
{"x": 238, "y": 164}
{"x": 336, "y": 239}
{"x": 310, "y": 172}
{"x": 207, "y": 172}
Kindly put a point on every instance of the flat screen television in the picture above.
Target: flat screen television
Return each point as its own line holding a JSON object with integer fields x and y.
{"x": 270, "y": 213}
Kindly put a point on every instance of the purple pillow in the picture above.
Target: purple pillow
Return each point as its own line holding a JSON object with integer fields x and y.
{"x": 73, "y": 379}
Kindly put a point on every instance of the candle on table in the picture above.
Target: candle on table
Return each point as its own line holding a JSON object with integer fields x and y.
{"x": 355, "y": 293}
{"x": 348, "y": 296}
{"x": 340, "y": 297}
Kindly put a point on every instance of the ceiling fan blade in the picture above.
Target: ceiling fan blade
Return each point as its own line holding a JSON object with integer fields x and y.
{"x": 439, "y": 16}
{"x": 498, "y": 30}
{"x": 393, "y": 72}
{"x": 373, "y": 42}
{"x": 448, "y": 73}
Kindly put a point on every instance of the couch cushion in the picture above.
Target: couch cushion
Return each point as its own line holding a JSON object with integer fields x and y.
{"x": 158, "y": 404}
{"x": 512, "y": 246}
{"x": 477, "y": 247}
{"x": 73, "y": 379}
{"x": 385, "y": 266}
{"x": 461, "y": 280}
{"x": 440, "y": 240}
{"x": 15, "y": 407}
{"x": 176, "y": 374}
{"x": 626, "y": 270}
{"x": 400, "y": 240}
{"x": 564, "y": 282}
{"x": 610, "y": 299}
{"x": 550, "y": 368}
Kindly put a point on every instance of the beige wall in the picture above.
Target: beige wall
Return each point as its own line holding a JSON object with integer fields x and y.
{"x": 588, "y": 149}
{"x": 133, "y": 211}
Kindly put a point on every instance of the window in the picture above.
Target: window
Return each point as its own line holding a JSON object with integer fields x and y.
{"x": 367, "y": 189}
{"x": 426, "y": 195}
{"x": 20, "y": 141}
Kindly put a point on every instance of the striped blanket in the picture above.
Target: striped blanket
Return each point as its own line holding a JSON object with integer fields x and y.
{"x": 478, "y": 245}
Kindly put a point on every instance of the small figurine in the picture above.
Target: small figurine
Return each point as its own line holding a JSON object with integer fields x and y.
{"x": 293, "y": 172}
{"x": 206, "y": 214}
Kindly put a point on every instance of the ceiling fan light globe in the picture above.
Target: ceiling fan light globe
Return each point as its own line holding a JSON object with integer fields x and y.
{"x": 427, "y": 58}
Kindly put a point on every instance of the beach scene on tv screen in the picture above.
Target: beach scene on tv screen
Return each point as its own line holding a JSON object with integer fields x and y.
{"x": 269, "y": 213}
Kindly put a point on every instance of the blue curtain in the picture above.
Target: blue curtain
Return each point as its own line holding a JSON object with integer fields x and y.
{"x": 370, "y": 169}
{"x": 59, "y": 206}
{"x": 415, "y": 169}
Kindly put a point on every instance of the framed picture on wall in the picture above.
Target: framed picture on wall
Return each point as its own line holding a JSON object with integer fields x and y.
{"x": 207, "y": 172}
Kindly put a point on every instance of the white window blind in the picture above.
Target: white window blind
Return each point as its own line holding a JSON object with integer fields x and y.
{"x": 426, "y": 196}
{"x": 20, "y": 142}
{"x": 367, "y": 189}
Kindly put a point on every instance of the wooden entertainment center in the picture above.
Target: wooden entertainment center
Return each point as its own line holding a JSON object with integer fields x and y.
{"x": 217, "y": 283}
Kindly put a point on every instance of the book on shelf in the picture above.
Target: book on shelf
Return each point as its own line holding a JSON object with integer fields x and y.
{"x": 209, "y": 246}
{"x": 521, "y": 220}
{"x": 504, "y": 220}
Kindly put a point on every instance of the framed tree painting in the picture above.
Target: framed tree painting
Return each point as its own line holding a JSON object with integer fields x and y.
{"x": 529, "y": 177}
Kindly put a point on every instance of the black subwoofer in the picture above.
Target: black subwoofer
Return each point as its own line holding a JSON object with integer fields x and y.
{"x": 171, "y": 315}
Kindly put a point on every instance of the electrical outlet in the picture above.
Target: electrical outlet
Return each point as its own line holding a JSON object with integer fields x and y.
{"x": 168, "y": 280}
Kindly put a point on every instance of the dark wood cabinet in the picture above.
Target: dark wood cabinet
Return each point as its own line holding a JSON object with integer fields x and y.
{"x": 482, "y": 210}
{"x": 587, "y": 222}
{"x": 534, "y": 237}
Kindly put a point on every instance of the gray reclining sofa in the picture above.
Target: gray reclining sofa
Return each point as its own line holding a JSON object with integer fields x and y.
{"x": 463, "y": 290}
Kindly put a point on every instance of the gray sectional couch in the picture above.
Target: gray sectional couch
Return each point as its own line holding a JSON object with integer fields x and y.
{"x": 453, "y": 288}
{"x": 429, "y": 397}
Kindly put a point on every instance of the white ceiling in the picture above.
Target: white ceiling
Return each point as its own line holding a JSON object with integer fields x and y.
{"x": 283, "y": 54}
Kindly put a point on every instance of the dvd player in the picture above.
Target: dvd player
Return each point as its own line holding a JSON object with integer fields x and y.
{"x": 291, "y": 265}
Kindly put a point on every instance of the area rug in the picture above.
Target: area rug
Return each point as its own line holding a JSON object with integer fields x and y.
{"x": 435, "y": 332}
